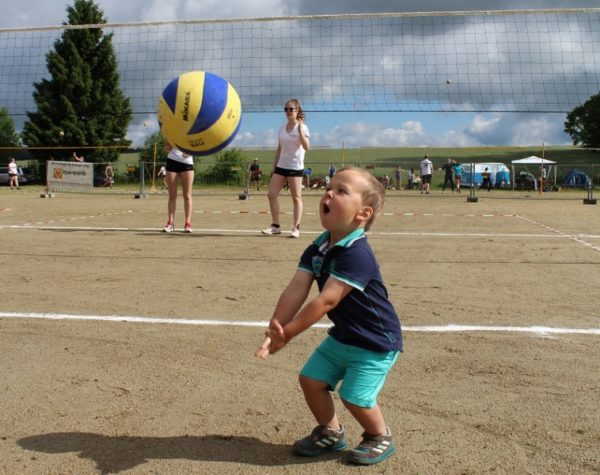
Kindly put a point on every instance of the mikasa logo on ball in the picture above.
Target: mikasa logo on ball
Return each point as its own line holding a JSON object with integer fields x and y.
{"x": 186, "y": 106}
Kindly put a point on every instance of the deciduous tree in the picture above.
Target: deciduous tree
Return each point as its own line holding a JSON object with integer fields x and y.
{"x": 583, "y": 123}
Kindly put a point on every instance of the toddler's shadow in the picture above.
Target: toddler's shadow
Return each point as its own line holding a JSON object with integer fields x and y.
{"x": 113, "y": 454}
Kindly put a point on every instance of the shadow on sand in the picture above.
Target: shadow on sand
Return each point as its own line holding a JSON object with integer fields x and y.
{"x": 114, "y": 454}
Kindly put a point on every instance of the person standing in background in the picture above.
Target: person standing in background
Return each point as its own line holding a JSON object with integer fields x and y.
{"x": 180, "y": 166}
{"x": 398, "y": 177}
{"x": 13, "y": 174}
{"x": 411, "y": 178}
{"x": 162, "y": 173}
{"x": 458, "y": 173}
{"x": 109, "y": 175}
{"x": 288, "y": 166}
{"x": 255, "y": 173}
{"x": 486, "y": 177}
{"x": 426, "y": 174}
{"x": 448, "y": 172}
{"x": 331, "y": 170}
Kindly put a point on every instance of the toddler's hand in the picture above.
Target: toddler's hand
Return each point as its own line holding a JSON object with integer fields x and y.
{"x": 277, "y": 336}
{"x": 274, "y": 341}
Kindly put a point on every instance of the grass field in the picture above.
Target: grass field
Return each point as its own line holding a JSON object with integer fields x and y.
{"x": 126, "y": 350}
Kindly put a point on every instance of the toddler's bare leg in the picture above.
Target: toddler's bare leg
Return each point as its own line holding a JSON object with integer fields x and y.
{"x": 320, "y": 402}
{"x": 371, "y": 419}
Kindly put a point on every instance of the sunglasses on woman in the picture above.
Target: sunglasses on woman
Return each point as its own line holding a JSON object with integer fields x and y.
{"x": 289, "y": 109}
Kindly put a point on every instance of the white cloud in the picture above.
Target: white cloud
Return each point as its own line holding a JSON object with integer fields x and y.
{"x": 518, "y": 130}
{"x": 483, "y": 125}
{"x": 411, "y": 133}
{"x": 261, "y": 138}
{"x": 538, "y": 130}
{"x": 481, "y": 130}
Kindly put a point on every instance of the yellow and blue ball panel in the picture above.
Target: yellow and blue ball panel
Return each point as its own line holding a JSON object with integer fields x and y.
{"x": 199, "y": 113}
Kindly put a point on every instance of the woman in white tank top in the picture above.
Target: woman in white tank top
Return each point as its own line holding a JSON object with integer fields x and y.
{"x": 288, "y": 166}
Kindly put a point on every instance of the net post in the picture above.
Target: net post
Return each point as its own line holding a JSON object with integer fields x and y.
{"x": 47, "y": 193}
{"x": 472, "y": 198}
{"x": 245, "y": 195}
{"x": 590, "y": 200}
{"x": 142, "y": 194}
{"x": 153, "y": 187}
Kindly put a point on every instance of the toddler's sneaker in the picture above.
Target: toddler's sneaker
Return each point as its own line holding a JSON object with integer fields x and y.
{"x": 372, "y": 449}
{"x": 187, "y": 228}
{"x": 272, "y": 230}
{"x": 320, "y": 441}
{"x": 295, "y": 232}
{"x": 169, "y": 228}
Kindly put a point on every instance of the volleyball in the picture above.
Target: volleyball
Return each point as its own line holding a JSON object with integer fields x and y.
{"x": 199, "y": 113}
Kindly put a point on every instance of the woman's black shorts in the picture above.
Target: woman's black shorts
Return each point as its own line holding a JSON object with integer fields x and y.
{"x": 178, "y": 167}
{"x": 288, "y": 172}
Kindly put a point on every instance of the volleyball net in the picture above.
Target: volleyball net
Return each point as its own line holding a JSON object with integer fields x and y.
{"x": 490, "y": 61}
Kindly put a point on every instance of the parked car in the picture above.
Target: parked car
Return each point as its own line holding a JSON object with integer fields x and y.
{"x": 5, "y": 180}
{"x": 29, "y": 176}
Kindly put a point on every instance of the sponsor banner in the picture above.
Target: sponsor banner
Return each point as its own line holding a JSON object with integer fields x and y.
{"x": 75, "y": 173}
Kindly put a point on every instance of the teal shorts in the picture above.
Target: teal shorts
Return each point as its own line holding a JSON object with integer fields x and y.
{"x": 361, "y": 371}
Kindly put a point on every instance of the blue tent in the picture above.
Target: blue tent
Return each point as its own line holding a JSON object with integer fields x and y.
{"x": 576, "y": 179}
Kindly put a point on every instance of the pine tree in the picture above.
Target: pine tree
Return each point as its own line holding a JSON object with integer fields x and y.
{"x": 8, "y": 136}
{"x": 82, "y": 104}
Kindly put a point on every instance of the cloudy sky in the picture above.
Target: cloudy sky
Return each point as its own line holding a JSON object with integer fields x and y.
{"x": 383, "y": 128}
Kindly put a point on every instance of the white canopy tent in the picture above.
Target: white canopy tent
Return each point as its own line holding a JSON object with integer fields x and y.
{"x": 535, "y": 161}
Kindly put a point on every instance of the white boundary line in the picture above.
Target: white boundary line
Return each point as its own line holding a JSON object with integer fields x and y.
{"x": 450, "y": 328}
{"x": 578, "y": 239}
{"x": 257, "y": 232}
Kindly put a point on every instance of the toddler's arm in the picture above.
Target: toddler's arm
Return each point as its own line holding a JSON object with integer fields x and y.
{"x": 289, "y": 303}
{"x": 279, "y": 333}
{"x": 332, "y": 294}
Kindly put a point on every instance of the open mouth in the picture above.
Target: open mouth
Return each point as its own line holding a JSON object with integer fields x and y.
{"x": 326, "y": 208}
